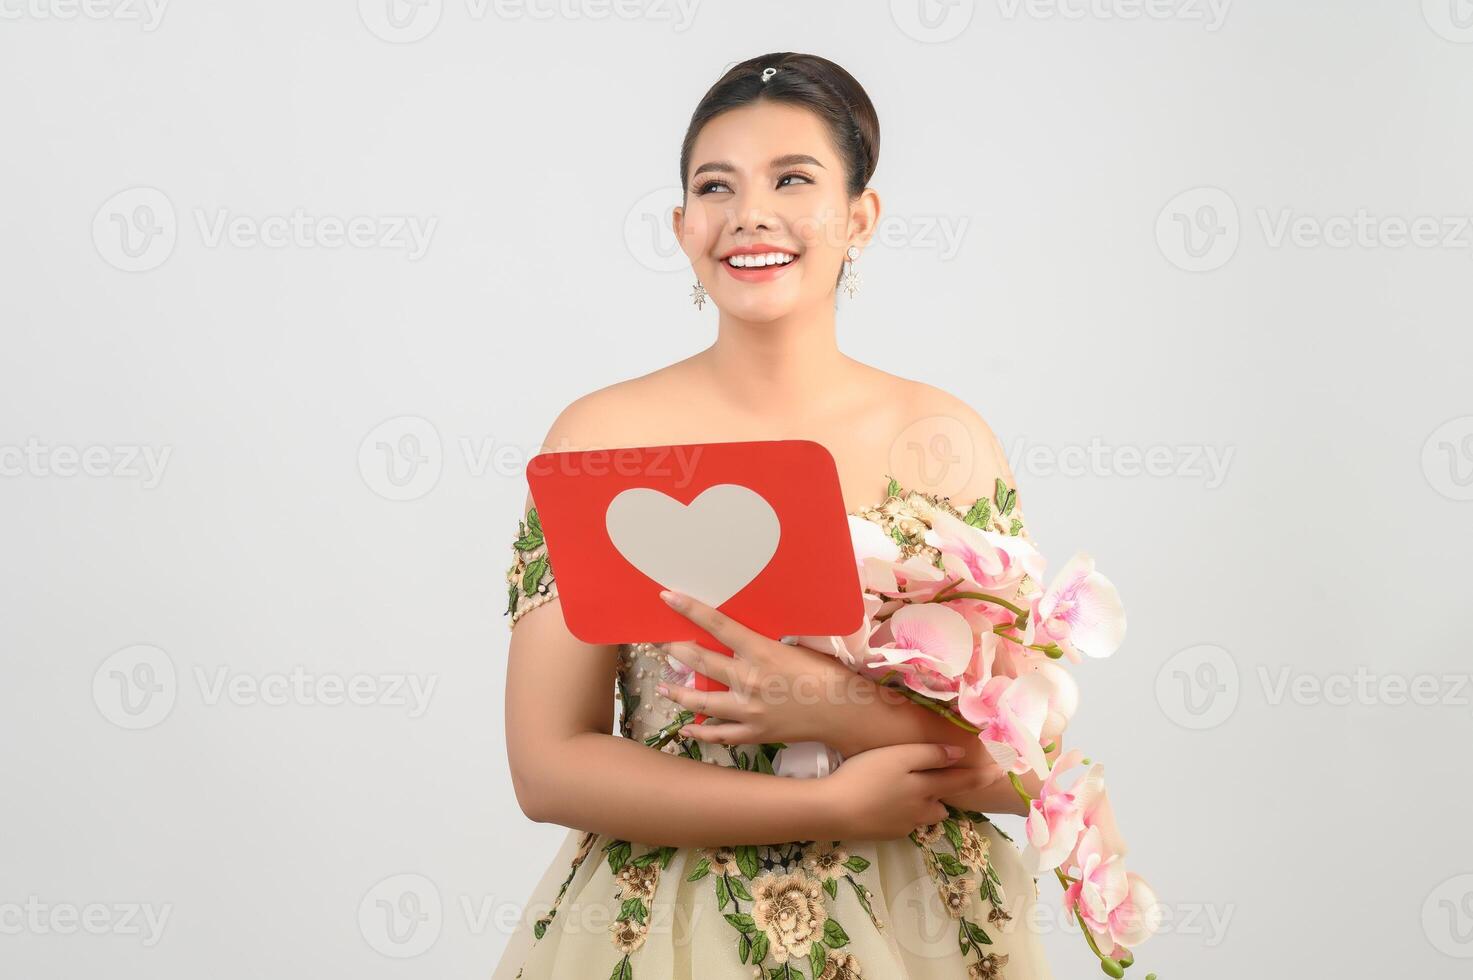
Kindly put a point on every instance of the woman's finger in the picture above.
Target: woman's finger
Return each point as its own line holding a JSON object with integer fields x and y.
{"x": 719, "y": 704}
{"x": 717, "y": 666}
{"x": 731, "y": 634}
{"x": 723, "y": 734}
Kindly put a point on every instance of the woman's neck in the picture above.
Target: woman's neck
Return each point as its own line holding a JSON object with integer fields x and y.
{"x": 781, "y": 369}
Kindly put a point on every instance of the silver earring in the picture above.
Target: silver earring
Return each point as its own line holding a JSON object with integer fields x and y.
{"x": 699, "y": 294}
{"x": 850, "y": 280}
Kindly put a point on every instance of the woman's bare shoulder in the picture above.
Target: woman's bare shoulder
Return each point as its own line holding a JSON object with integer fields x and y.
{"x": 610, "y": 417}
{"x": 952, "y": 437}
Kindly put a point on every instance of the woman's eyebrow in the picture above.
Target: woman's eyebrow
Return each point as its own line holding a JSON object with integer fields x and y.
{"x": 786, "y": 160}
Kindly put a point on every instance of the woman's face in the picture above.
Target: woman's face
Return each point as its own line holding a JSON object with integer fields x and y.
{"x": 766, "y": 176}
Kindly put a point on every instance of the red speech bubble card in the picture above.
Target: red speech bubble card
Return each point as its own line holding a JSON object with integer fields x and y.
{"x": 756, "y": 529}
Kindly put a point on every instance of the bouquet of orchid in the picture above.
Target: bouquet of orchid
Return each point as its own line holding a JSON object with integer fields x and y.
{"x": 957, "y": 620}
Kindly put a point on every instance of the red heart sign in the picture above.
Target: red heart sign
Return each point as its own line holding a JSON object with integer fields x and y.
{"x": 756, "y": 529}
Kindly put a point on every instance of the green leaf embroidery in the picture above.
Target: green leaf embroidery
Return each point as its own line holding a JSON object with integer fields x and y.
{"x": 834, "y": 934}
{"x": 746, "y": 858}
{"x": 1016, "y": 528}
{"x": 511, "y": 598}
{"x": 831, "y": 885}
{"x": 738, "y": 889}
{"x": 759, "y": 947}
{"x": 979, "y": 514}
{"x": 742, "y": 921}
{"x": 816, "y": 958}
{"x": 702, "y": 869}
{"x": 539, "y": 928}
{"x": 976, "y": 933}
{"x": 744, "y": 946}
{"x": 999, "y": 493}
{"x": 618, "y": 852}
{"x": 723, "y": 893}
{"x": 950, "y": 864}
{"x": 893, "y": 489}
{"x": 856, "y": 864}
{"x": 533, "y": 575}
{"x": 622, "y": 970}
{"x": 1007, "y": 506}
{"x": 953, "y": 833}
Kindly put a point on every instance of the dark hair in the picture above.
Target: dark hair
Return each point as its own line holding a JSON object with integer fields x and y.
{"x": 806, "y": 80}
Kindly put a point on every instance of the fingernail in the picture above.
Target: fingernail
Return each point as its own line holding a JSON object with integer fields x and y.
{"x": 954, "y": 752}
{"x": 672, "y": 599}
{"x": 663, "y": 690}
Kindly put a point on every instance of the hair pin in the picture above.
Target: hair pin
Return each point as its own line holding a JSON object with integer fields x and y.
{"x": 768, "y": 73}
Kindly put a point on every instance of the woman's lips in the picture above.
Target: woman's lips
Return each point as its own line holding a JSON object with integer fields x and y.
{"x": 764, "y": 273}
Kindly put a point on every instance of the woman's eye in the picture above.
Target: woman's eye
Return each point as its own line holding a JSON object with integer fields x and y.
{"x": 781, "y": 182}
{"x": 803, "y": 177}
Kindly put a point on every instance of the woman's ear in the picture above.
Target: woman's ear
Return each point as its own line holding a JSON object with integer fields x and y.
{"x": 864, "y": 216}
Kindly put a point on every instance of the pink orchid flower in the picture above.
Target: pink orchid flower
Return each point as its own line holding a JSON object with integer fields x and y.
{"x": 1056, "y": 815}
{"x": 1116, "y": 906}
{"x": 1099, "y": 815}
{"x": 913, "y": 580}
{"x": 930, "y": 646}
{"x": 1081, "y": 612}
{"x": 1010, "y": 713}
{"x": 991, "y": 561}
{"x": 1063, "y": 699}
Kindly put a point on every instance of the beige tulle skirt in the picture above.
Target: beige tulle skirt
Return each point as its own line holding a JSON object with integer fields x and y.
{"x": 952, "y": 900}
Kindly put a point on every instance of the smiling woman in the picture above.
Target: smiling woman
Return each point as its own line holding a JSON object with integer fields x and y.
{"x": 687, "y": 856}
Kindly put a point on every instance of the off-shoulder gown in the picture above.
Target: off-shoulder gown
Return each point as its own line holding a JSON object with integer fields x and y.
{"x": 950, "y": 900}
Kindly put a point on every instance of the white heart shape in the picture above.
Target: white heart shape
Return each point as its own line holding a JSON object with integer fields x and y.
{"x": 709, "y": 549}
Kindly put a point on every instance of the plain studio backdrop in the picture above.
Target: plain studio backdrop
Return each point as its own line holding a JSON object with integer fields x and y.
{"x": 292, "y": 292}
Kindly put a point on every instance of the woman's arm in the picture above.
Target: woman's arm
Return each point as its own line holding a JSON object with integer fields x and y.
{"x": 883, "y": 716}
{"x": 568, "y": 768}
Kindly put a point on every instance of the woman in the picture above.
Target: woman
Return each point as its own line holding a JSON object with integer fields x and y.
{"x": 690, "y": 858}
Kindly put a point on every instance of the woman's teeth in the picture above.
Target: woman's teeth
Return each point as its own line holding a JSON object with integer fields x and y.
{"x": 756, "y": 260}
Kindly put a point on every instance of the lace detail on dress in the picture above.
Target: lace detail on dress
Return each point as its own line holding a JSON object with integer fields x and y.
{"x": 530, "y": 581}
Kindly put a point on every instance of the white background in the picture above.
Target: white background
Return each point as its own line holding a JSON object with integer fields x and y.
{"x": 1083, "y": 212}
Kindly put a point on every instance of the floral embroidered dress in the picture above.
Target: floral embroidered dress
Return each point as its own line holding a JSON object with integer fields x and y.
{"x": 950, "y": 900}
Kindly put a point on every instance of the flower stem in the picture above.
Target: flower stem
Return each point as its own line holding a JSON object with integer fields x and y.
{"x": 928, "y": 704}
{"x": 998, "y": 600}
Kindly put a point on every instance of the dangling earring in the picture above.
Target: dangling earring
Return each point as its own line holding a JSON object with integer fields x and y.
{"x": 699, "y": 294}
{"x": 850, "y": 279}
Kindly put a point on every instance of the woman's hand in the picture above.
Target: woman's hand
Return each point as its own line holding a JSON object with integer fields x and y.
{"x": 887, "y": 792}
{"x": 776, "y": 692}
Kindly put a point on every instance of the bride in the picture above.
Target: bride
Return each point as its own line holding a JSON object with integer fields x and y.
{"x": 686, "y": 856}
